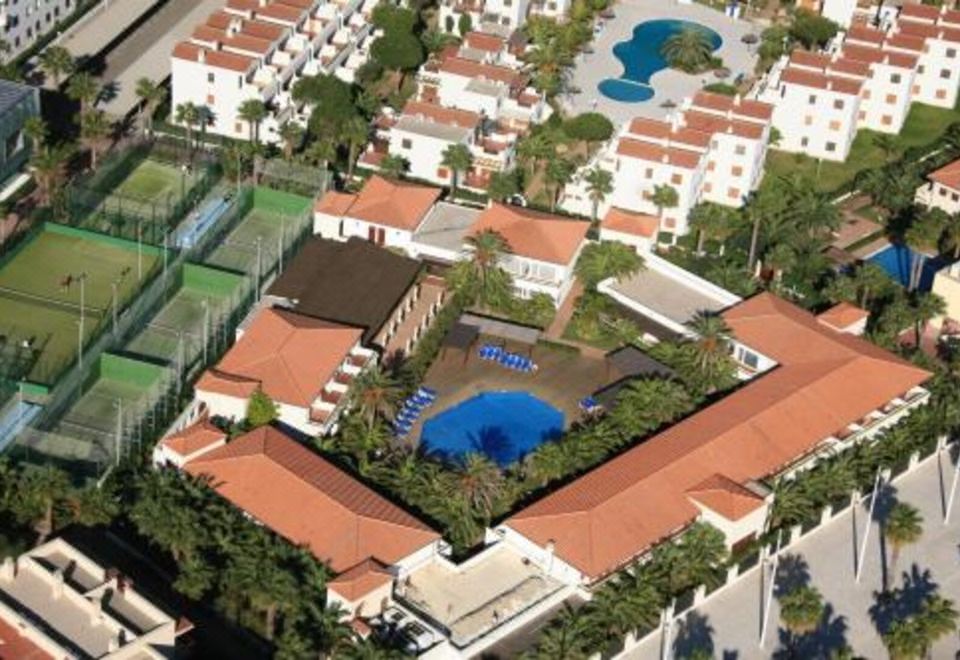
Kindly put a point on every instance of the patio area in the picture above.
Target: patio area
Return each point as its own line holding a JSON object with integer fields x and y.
{"x": 591, "y": 69}
{"x": 471, "y": 600}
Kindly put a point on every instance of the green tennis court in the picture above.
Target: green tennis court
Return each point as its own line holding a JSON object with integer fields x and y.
{"x": 182, "y": 317}
{"x": 238, "y": 252}
{"x": 153, "y": 181}
{"x": 40, "y": 291}
{"x": 98, "y": 409}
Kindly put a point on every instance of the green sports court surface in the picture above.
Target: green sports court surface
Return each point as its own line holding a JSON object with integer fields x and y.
{"x": 238, "y": 252}
{"x": 96, "y": 413}
{"x": 182, "y": 316}
{"x": 153, "y": 181}
{"x": 40, "y": 293}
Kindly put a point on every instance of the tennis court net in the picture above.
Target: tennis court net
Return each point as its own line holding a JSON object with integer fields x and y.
{"x": 50, "y": 303}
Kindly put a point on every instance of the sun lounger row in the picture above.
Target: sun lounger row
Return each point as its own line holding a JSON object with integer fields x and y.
{"x": 411, "y": 409}
{"x": 507, "y": 359}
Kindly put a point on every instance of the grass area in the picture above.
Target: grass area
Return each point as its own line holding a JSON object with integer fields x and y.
{"x": 39, "y": 306}
{"x": 923, "y": 126}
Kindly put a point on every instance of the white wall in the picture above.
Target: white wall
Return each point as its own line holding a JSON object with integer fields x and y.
{"x": 937, "y": 195}
{"x": 425, "y": 154}
{"x": 810, "y": 123}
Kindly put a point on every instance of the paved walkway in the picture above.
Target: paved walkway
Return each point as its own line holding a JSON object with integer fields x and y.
{"x": 670, "y": 85}
{"x": 102, "y": 25}
{"x": 729, "y": 623}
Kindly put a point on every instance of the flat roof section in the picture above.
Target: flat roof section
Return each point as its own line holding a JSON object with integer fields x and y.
{"x": 432, "y": 129}
{"x": 446, "y": 226}
{"x": 104, "y": 23}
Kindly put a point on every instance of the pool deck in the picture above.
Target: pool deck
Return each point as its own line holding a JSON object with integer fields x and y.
{"x": 592, "y": 68}
{"x": 563, "y": 378}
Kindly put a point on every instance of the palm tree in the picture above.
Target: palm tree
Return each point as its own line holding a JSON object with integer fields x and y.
{"x": 487, "y": 248}
{"x": 49, "y": 167}
{"x": 646, "y": 405}
{"x": 458, "y": 159}
{"x": 355, "y": 134}
{"x": 600, "y": 261}
{"x": 57, "y": 62}
{"x": 801, "y": 610}
{"x": 376, "y": 393}
{"x": 35, "y": 129}
{"x": 150, "y": 95}
{"x": 95, "y": 129}
{"x": 84, "y": 89}
{"x": 253, "y": 112}
{"x": 710, "y": 221}
{"x": 924, "y": 308}
{"x": 888, "y": 144}
{"x": 713, "y": 338}
{"x": 537, "y": 148}
{"x": 568, "y": 637}
{"x": 922, "y": 237}
{"x": 905, "y": 639}
{"x": 937, "y": 618}
{"x": 688, "y": 50}
{"x": 559, "y": 173}
{"x": 765, "y": 207}
{"x": 291, "y": 133}
{"x": 903, "y": 526}
{"x": 320, "y": 152}
{"x": 664, "y": 197}
{"x": 394, "y": 166}
{"x": 504, "y": 185}
{"x": 188, "y": 115}
{"x": 599, "y": 185}
{"x": 481, "y": 482}
{"x": 951, "y": 235}
{"x": 38, "y": 496}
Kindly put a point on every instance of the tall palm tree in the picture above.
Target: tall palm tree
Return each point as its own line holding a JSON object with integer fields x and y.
{"x": 903, "y": 526}
{"x": 558, "y": 174}
{"x": 688, "y": 50}
{"x": 664, "y": 197}
{"x": 84, "y": 89}
{"x": 320, "y": 152}
{"x": 481, "y": 482}
{"x": 35, "y": 129}
{"x": 599, "y": 185}
{"x": 713, "y": 338}
{"x": 291, "y": 134}
{"x": 600, "y": 261}
{"x": 938, "y": 617}
{"x": 888, "y": 144}
{"x": 951, "y": 235}
{"x": 922, "y": 237}
{"x": 764, "y": 208}
{"x": 711, "y": 222}
{"x": 39, "y": 494}
{"x": 151, "y": 95}
{"x": 49, "y": 167}
{"x": 487, "y": 248}
{"x": 394, "y": 166}
{"x": 187, "y": 114}
{"x": 503, "y": 185}
{"x": 253, "y": 112}
{"x": 95, "y": 130}
{"x": 57, "y": 62}
{"x": 458, "y": 159}
{"x": 905, "y": 639}
{"x": 355, "y": 134}
{"x": 801, "y": 610}
{"x": 924, "y": 308}
{"x": 645, "y": 405}
{"x": 376, "y": 393}
{"x": 568, "y": 637}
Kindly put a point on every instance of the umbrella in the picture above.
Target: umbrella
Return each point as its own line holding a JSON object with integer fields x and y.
{"x": 750, "y": 38}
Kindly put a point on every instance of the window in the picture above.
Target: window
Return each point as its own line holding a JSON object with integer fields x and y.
{"x": 895, "y": 78}
{"x": 749, "y": 359}
{"x": 708, "y": 187}
{"x": 740, "y": 150}
{"x": 670, "y": 223}
{"x": 812, "y": 99}
{"x": 951, "y": 53}
{"x": 862, "y": 115}
{"x": 211, "y": 78}
{"x": 921, "y": 68}
{"x": 804, "y": 142}
{"x": 942, "y": 191}
{"x": 891, "y": 98}
{"x": 955, "y": 197}
{"x": 733, "y": 193}
{"x": 834, "y": 125}
{"x": 941, "y": 94}
{"x": 211, "y": 100}
{"x": 831, "y": 146}
{"x": 676, "y": 179}
{"x": 649, "y": 173}
{"x": 442, "y": 173}
{"x": 808, "y": 120}
{"x": 945, "y": 74}
{"x": 866, "y": 94}
{"x": 238, "y": 127}
{"x": 736, "y": 170}
{"x": 406, "y": 143}
{"x": 711, "y": 166}
{"x": 838, "y": 104}
{"x": 886, "y": 120}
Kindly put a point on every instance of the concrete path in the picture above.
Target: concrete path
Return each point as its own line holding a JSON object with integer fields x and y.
{"x": 670, "y": 85}
{"x": 729, "y": 622}
{"x": 102, "y": 25}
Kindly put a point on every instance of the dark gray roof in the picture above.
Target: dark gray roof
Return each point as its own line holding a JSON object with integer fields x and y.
{"x": 12, "y": 93}
{"x": 626, "y": 365}
{"x": 355, "y": 283}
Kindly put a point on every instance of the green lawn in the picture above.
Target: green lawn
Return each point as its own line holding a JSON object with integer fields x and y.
{"x": 924, "y": 125}
{"x": 39, "y": 269}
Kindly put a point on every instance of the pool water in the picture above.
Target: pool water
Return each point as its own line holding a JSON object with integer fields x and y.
{"x": 897, "y": 260}
{"x": 641, "y": 58}
{"x": 504, "y": 426}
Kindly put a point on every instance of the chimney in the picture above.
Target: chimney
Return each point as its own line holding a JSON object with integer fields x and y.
{"x": 736, "y": 100}
{"x": 57, "y": 584}
{"x": 202, "y": 56}
{"x": 665, "y": 158}
{"x": 8, "y": 570}
{"x": 96, "y": 612}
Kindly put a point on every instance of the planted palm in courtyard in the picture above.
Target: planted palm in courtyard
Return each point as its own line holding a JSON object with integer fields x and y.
{"x": 600, "y": 261}
{"x": 458, "y": 159}
{"x": 150, "y": 95}
{"x": 903, "y": 526}
{"x": 801, "y": 611}
{"x": 376, "y": 394}
{"x": 599, "y": 185}
{"x": 912, "y": 637}
{"x": 480, "y": 278}
{"x": 689, "y": 50}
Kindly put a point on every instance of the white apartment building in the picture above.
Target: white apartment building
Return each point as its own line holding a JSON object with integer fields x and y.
{"x": 942, "y": 190}
{"x": 258, "y": 49}
{"x": 424, "y": 131}
{"x": 505, "y": 15}
{"x": 712, "y": 149}
{"x": 499, "y": 93}
{"x": 24, "y": 22}
{"x": 868, "y": 79}
{"x": 55, "y": 602}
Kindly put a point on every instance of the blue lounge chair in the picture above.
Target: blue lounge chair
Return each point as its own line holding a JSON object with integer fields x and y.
{"x": 588, "y": 404}
{"x": 428, "y": 393}
{"x": 515, "y": 362}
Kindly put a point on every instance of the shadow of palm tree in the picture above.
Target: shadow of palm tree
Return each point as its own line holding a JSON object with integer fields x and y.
{"x": 793, "y": 572}
{"x": 886, "y": 500}
{"x": 897, "y": 604}
{"x": 694, "y": 637}
{"x": 829, "y": 638}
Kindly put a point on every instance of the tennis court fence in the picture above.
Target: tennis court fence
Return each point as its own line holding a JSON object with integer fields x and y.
{"x": 50, "y": 303}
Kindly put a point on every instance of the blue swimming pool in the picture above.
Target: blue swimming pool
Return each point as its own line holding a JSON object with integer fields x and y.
{"x": 502, "y": 425}
{"x": 897, "y": 260}
{"x": 641, "y": 58}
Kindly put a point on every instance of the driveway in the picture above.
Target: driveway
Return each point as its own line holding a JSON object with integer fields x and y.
{"x": 729, "y": 622}
{"x": 591, "y": 69}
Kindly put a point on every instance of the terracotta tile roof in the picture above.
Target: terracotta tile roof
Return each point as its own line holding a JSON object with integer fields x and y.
{"x": 825, "y": 380}
{"x": 357, "y": 581}
{"x": 756, "y": 110}
{"x": 712, "y": 124}
{"x": 532, "y": 234}
{"x": 664, "y": 131}
{"x": 907, "y": 42}
{"x": 820, "y": 81}
{"x": 214, "y": 380}
{"x": 925, "y": 12}
{"x": 948, "y": 175}
{"x": 213, "y": 58}
{"x": 628, "y": 222}
{"x": 194, "y": 438}
{"x": 951, "y": 17}
{"x": 308, "y": 500}
{"x": 655, "y": 153}
{"x": 396, "y": 204}
{"x": 14, "y": 646}
{"x": 725, "y": 496}
{"x": 490, "y": 43}
{"x": 470, "y": 69}
{"x": 291, "y": 356}
{"x": 879, "y": 55}
{"x": 334, "y": 203}
{"x": 442, "y": 115}
{"x": 843, "y": 315}
{"x": 868, "y": 34}
{"x": 806, "y": 58}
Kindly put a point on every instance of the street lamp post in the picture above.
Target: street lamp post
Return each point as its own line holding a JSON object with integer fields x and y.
{"x": 139, "y": 249}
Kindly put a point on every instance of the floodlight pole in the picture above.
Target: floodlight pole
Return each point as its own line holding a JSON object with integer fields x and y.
{"x": 667, "y": 630}
{"x": 283, "y": 226}
{"x": 768, "y": 601}
{"x": 259, "y": 264}
{"x": 868, "y": 524}
{"x": 113, "y": 285}
{"x": 953, "y": 488}
{"x": 80, "y": 344}
{"x": 139, "y": 250}
{"x": 119, "y": 428}
{"x": 206, "y": 328}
